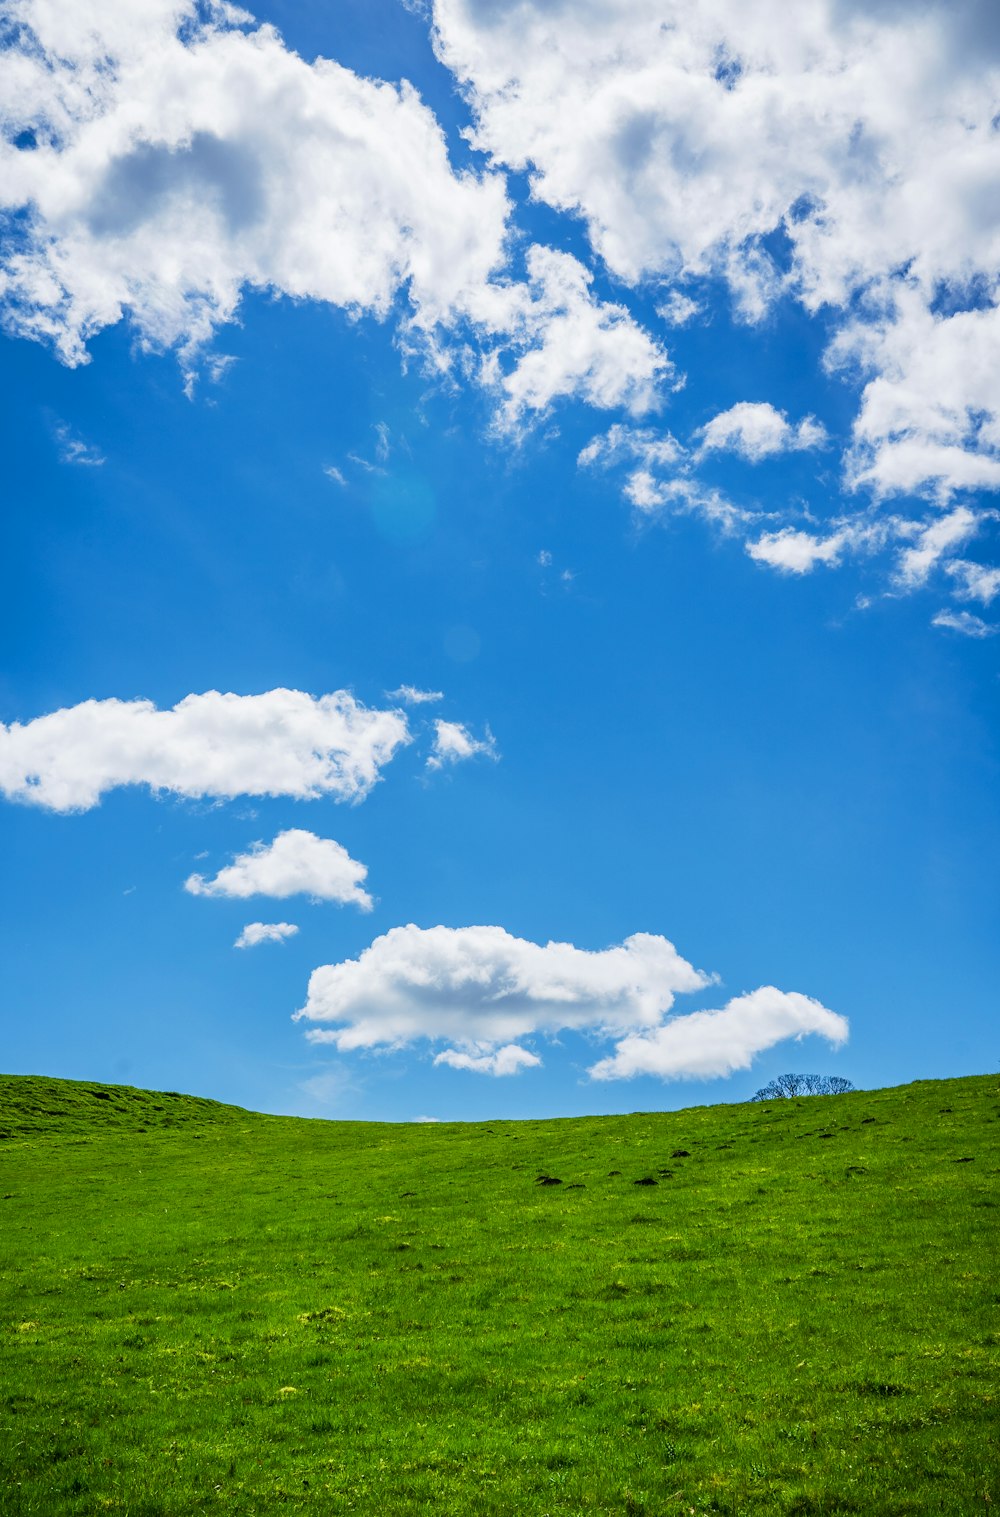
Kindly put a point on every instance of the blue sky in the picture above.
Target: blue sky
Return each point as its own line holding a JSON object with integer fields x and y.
{"x": 614, "y": 386}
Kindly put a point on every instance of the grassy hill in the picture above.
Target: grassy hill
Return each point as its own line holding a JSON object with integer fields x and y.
{"x": 32, "y": 1106}
{"x": 759, "y": 1309}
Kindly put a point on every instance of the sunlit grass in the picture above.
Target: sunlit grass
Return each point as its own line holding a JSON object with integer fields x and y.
{"x": 236, "y": 1313}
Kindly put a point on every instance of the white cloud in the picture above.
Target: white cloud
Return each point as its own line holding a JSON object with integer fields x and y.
{"x": 480, "y": 990}
{"x": 508, "y": 1060}
{"x": 178, "y": 167}
{"x": 295, "y": 863}
{"x": 933, "y": 541}
{"x": 73, "y": 449}
{"x": 678, "y": 309}
{"x": 453, "y": 743}
{"x": 647, "y": 456}
{"x": 283, "y": 742}
{"x": 411, "y": 696}
{"x": 964, "y": 622}
{"x": 481, "y": 986}
{"x": 186, "y": 156}
{"x": 265, "y": 932}
{"x": 797, "y": 552}
{"x": 565, "y": 343}
{"x": 755, "y": 430}
{"x": 930, "y": 412}
{"x": 684, "y": 496}
{"x": 660, "y": 479}
{"x": 624, "y": 444}
{"x": 979, "y": 582}
{"x": 708, "y": 1044}
{"x": 336, "y": 475}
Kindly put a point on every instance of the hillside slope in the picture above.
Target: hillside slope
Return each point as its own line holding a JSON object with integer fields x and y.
{"x": 757, "y": 1309}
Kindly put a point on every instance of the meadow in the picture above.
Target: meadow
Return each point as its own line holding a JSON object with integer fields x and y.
{"x": 783, "y": 1308}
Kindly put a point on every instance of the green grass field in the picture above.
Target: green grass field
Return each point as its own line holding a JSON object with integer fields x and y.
{"x": 787, "y": 1308}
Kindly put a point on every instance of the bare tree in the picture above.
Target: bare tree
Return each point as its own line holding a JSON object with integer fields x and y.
{"x": 784, "y": 1087}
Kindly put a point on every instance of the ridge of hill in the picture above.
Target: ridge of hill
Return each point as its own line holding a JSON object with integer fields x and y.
{"x": 47, "y": 1106}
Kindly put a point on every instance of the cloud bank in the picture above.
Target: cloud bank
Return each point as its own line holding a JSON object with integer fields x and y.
{"x": 282, "y": 743}
{"x": 479, "y": 989}
{"x": 296, "y": 863}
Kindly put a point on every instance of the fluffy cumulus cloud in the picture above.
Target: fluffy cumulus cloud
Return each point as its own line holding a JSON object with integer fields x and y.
{"x": 165, "y": 157}
{"x": 481, "y": 986}
{"x": 480, "y": 990}
{"x": 705, "y": 1044}
{"x": 265, "y": 932}
{"x": 755, "y": 430}
{"x": 568, "y": 343}
{"x": 296, "y": 863}
{"x": 453, "y": 742}
{"x": 284, "y": 742}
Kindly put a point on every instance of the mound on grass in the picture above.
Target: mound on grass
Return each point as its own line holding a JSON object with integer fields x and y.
{"x": 205, "y": 1310}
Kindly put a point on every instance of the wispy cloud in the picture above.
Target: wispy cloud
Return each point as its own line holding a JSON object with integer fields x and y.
{"x": 74, "y": 450}
{"x": 411, "y": 696}
{"x": 933, "y": 544}
{"x": 964, "y": 622}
